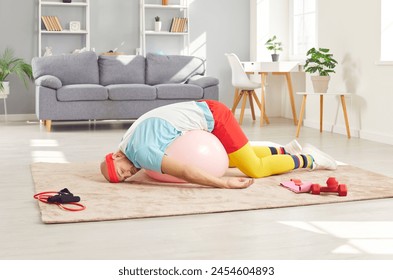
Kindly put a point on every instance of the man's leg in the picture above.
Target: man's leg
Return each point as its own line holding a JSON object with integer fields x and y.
{"x": 254, "y": 166}
{"x": 240, "y": 152}
{"x": 263, "y": 151}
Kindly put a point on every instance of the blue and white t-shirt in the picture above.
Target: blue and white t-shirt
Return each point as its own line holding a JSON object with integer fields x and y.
{"x": 146, "y": 140}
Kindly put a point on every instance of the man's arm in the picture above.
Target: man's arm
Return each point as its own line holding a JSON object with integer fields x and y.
{"x": 195, "y": 175}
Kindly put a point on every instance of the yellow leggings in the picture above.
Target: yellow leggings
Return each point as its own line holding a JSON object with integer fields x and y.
{"x": 258, "y": 161}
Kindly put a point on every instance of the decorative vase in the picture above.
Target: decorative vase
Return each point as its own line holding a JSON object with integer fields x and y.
{"x": 164, "y": 2}
{"x": 157, "y": 26}
{"x": 6, "y": 89}
{"x": 320, "y": 83}
{"x": 275, "y": 57}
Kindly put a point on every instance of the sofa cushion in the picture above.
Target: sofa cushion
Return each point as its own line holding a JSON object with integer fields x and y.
{"x": 166, "y": 69}
{"x": 131, "y": 92}
{"x": 179, "y": 91}
{"x": 82, "y": 93}
{"x": 71, "y": 69}
{"x": 49, "y": 81}
{"x": 121, "y": 69}
{"x": 203, "y": 81}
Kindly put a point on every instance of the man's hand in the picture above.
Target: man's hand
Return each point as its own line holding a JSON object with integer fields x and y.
{"x": 195, "y": 175}
{"x": 238, "y": 183}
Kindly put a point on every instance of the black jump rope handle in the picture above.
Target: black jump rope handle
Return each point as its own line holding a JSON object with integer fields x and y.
{"x": 64, "y": 196}
{"x": 63, "y": 199}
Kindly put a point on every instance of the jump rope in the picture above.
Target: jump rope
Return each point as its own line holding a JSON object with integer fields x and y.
{"x": 60, "y": 198}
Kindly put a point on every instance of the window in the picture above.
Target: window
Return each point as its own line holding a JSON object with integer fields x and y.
{"x": 386, "y": 30}
{"x": 303, "y": 27}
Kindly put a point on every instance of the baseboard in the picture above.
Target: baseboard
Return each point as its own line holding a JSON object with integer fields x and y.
{"x": 18, "y": 117}
{"x": 331, "y": 127}
{"x": 362, "y": 134}
{"x": 377, "y": 137}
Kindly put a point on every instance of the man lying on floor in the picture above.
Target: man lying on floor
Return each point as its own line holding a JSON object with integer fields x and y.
{"x": 145, "y": 142}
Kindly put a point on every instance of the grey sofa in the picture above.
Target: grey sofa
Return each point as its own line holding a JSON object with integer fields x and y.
{"x": 86, "y": 87}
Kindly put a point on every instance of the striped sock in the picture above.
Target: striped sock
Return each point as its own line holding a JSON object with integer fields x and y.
{"x": 277, "y": 150}
{"x": 302, "y": 161}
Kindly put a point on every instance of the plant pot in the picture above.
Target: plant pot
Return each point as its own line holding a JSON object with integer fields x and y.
{"x": 164, "y": 2}
{"x": 6, "y": 89}
{"x": 157, "y": 26}
{"x": 275, "y": 57}
{"x": 320, "y": 83}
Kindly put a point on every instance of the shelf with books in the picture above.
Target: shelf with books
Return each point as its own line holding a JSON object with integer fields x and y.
{"x": 157, "y": 6}
{"x": 165, "y": 33}
{"x": 59, "y": 18}
{"x": 174, "y": 20}
{"x": 72, "y": 4}
{"x": 64, "y": 32}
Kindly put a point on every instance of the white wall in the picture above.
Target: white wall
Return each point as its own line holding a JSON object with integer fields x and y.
{"x": 351, "y": 29}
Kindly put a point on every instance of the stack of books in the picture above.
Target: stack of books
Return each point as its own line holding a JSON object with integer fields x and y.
{"x": 51, "y": 23}
{"x": 179, "y": 25}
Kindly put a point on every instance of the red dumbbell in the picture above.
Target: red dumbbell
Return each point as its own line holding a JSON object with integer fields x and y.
{"x": 332, "y": 186}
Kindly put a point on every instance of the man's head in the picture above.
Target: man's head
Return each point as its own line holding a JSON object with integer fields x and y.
{"x": 116, "y": 167}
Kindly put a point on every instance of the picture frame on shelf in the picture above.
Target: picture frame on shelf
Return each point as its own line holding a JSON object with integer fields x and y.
{"x": 75, "y": 26}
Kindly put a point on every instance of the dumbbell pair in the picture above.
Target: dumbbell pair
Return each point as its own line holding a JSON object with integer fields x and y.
{"x": 297, "y": 186}
{"x": 332, "y": 186}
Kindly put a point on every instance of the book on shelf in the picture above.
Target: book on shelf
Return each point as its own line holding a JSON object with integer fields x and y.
{"x": 51, "y": 23}
{"x": 178, "y": 25}
{"x": 58, "y": 24}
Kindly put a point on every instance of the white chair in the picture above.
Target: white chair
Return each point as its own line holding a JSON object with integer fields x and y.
{"x": 244, "y": 88}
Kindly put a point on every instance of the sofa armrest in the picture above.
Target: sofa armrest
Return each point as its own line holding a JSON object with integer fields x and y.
{"x": 203, "y": 81}
{"x": 49, "y": 81}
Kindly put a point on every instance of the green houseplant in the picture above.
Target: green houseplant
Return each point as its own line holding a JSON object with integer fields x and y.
{"x": 273, "y": 45}
{"x": 320, "y": 62}
{"x": 13, "y": 65}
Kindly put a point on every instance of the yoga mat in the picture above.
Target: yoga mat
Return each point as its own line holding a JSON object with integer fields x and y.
{"x": 143, "y": 197}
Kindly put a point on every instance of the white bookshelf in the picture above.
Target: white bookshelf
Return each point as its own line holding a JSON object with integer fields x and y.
{"x": 44, "y": 8}
{"x": 179, "y": 8}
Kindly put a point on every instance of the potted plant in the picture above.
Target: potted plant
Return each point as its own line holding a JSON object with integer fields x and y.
{"x": 275, "y": 46}
{"x": 12, "y": 65}
{"x": 321, "y": 62}
{"x": 157, "y": 24}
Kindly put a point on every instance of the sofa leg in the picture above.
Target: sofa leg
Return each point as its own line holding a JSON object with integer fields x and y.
{"x": 48, "y": 125}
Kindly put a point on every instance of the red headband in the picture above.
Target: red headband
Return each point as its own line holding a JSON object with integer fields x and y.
{"x": 111, "y": 169}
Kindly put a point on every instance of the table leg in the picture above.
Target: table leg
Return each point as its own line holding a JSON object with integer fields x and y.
{"x": 302, "y": 109}
{"x": 263, "y": 83}
{"x": 345, "y": 115}
{"x": 320, "y": 113}
{"x": 259, "y": 106}
{"x": 291, "y": 97}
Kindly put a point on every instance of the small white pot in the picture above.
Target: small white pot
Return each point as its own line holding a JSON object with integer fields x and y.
{"x": 6, "y": 89}
{"x": 320, "y": 83}
{"x": 157, "y": 26}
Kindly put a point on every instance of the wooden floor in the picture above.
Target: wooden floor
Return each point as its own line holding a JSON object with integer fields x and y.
{"x": 356, "y": 230}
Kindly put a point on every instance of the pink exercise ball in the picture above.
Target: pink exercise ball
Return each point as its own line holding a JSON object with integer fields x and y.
{"x": 198, "y": 148}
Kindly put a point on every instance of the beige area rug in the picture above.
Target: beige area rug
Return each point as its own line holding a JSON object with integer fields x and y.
{"x": 145, "y": 197}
